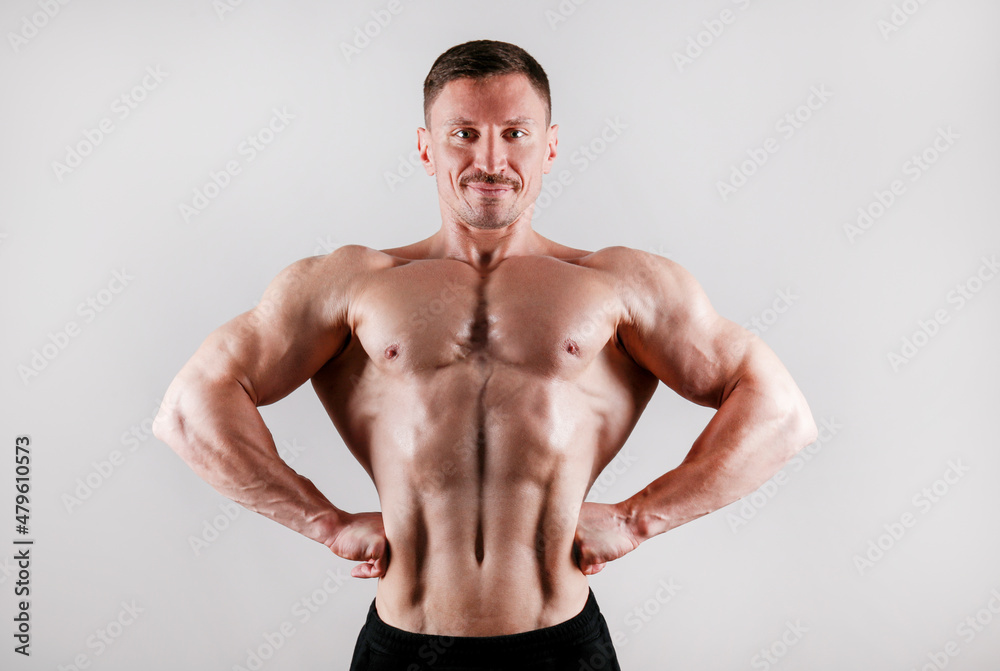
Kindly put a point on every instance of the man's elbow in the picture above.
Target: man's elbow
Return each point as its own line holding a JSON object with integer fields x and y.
{"x": 802, "y": 429}
{"x": 787, "y": 407}
{"x": 172, "y": 420}
{"x": 168, "y": 423}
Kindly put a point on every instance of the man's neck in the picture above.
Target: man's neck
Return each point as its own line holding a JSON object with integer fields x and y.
{"x": 483, "y": 249}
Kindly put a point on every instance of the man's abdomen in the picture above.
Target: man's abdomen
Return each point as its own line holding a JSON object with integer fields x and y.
{"x": 436, "y": 584}
{"x": 480, "y": 506}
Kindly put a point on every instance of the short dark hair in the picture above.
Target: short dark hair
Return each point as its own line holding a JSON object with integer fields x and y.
{"x": 480, "y": 59}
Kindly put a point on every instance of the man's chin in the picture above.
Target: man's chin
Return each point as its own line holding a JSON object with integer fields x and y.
{"x": 490, "y": 218}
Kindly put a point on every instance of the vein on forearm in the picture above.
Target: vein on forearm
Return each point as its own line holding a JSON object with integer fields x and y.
{"x": 218, "y": 431}
{"x": 754, "y": 432}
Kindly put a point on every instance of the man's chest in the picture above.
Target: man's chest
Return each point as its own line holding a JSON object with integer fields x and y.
{"x": 542, "y": 313}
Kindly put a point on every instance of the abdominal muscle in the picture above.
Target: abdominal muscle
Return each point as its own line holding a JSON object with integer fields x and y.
{"x": 480, "y": 502}
{"x": 436, "y": 585}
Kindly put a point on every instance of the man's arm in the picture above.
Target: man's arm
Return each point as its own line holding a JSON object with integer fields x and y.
{"x": 209, "y": 415}
{"x": 762, "y": 419}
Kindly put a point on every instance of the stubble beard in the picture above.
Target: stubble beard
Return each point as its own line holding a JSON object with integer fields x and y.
{"x": 488, "y": 218}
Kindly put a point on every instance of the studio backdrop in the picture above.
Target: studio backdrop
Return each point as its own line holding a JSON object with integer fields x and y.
{"x": 827, "y": 171}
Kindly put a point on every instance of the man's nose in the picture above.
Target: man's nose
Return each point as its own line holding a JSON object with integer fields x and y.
{"x": 491, "y": 155}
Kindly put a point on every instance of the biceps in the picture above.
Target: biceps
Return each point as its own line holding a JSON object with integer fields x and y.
{"x": 703, "y": 361}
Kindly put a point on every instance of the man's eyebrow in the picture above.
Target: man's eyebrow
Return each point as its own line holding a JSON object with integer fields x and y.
{"x": 461, "y": 121}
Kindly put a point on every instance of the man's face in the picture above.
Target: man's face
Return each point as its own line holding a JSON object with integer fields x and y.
{"x": 488, "y": 145}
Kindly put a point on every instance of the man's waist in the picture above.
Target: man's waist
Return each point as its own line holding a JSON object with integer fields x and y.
{"x": 481, "y": 602}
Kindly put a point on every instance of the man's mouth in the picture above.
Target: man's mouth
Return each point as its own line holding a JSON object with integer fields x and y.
{"x": 490, "y": 189}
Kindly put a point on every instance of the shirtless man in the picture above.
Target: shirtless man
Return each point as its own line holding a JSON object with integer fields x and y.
{"x": 484, "y": 377}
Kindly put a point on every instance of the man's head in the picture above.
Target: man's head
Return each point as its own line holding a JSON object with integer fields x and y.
{"x": 487, "y": 110}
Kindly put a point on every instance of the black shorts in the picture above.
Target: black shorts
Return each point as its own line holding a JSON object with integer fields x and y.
{"x": 581, "y": 643}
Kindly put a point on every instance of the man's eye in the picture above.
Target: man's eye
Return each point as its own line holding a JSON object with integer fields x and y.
{"x": 458, "y": 133}
{"x": 516, "y": 137}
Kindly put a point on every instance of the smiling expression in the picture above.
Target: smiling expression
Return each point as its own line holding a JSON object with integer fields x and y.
{"x": 488, "y": 146}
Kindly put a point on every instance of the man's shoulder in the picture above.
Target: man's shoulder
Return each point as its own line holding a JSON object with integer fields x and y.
{"x": 648, "y": 283}
{"x": 342, "y": 264}
{"x": 353, "y": 256}
{"x": 631, "y": 265}
{"x": 327, "y": 282}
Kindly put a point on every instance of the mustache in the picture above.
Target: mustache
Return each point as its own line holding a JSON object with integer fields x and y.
{"x": 487, "y": 178}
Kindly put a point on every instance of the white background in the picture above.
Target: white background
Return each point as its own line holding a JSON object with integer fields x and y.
{"x": 323, "y": 182}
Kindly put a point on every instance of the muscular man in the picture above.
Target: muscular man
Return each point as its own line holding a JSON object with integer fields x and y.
{"x": 484, "y": 377}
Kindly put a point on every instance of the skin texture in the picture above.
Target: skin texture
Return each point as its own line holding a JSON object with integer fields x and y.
{"x": 484, "y": 377}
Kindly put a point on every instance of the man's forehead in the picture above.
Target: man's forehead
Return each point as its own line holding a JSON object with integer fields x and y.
{"x": 506, "y": 99}
{"x": 513, "y": 121}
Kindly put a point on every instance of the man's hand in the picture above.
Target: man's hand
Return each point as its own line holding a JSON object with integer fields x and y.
{"x": 361, "y": 537}
{"x": 601, "y": 536}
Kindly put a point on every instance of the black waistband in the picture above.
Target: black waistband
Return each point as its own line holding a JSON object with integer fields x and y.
{"x": 577, "y": 629}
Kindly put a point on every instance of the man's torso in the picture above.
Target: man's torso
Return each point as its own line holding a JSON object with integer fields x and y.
{"x": 483, "y": 405}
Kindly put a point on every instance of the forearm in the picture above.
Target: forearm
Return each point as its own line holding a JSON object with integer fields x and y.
{"x": 217, "y": 430}
{"x": 756, "y": 430}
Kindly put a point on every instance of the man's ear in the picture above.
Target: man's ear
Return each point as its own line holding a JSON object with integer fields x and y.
{"x": 424, "y": 148}
{"x": 552, "y": 138}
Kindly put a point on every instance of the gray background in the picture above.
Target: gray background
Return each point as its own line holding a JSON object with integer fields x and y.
{"x": 851, "y": 299}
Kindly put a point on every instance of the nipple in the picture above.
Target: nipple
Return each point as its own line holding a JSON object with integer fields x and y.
{"x": 392, "y": 351}
{"x": 571, "y": 346}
